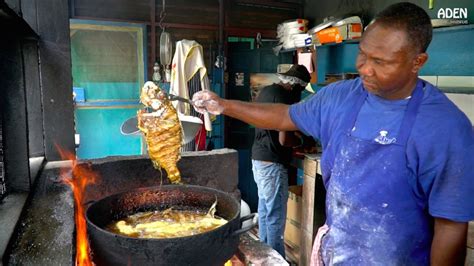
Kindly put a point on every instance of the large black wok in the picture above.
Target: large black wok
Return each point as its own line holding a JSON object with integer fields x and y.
{"x": 211, "y": 248}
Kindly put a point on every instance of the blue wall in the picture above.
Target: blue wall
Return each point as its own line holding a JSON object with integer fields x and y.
{"x": 316, "y": 11}
{"x": 451, "y": 53}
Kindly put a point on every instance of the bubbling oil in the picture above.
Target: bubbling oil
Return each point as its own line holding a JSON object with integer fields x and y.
{"x": 169, "y": 223}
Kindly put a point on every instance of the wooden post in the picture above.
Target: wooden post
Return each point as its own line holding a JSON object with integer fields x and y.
{"x": 313, "y": 215}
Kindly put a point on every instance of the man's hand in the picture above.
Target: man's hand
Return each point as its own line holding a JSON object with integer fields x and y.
{"x": 449, "y": 243}
{"x": 207, "y": 101}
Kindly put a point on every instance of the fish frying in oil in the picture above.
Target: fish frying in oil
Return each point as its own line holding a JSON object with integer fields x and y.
{"x": 169, "y": 223}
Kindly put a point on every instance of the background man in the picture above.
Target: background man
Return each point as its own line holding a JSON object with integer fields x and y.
{"x": 270, "y": 159}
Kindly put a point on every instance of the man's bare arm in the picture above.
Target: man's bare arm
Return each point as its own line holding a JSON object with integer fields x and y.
{"x": 262, "y": 115}
{"x": 449, "y": 243}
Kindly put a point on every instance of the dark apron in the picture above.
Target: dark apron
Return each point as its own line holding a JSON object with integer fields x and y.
{"x": 373, "y": 215}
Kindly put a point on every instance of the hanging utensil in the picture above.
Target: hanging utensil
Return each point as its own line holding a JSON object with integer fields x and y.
{"x": 166, "y": 47}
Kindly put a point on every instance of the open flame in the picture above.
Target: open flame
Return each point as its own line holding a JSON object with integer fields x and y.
{"x": 78, "y": 180}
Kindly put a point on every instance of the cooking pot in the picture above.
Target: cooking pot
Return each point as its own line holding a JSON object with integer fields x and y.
{"x": 214, "y": 247}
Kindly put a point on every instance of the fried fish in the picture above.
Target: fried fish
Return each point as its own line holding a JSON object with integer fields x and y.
{"x": 162, "y": 130}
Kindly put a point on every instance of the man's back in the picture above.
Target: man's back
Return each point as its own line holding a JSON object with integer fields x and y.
{"x": 266, "y": 146}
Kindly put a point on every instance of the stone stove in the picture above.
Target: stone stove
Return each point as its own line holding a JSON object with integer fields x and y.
{"x": 45, "y": 235}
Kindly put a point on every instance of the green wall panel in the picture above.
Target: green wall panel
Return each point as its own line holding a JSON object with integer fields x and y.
{"x": 110, "y": 91}
{"x": 100, "y": 136}
{"x": 451, "y": 52}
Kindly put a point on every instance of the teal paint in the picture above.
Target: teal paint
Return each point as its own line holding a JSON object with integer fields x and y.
{"x": 251, "y": 41}
{"x": 165, "y": 86}
{"x": 100, "y": 136}
{"x": 108, "y": 104}
{"x": 110, "y": 90}
{"x": 450, "y": 54}
{"x": 299, "y": 176}
{"x": 217, "y": 133}
{"x": 336, "y": 59}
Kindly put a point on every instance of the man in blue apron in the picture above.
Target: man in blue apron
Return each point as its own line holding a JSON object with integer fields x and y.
{"x": 397, "y": 157}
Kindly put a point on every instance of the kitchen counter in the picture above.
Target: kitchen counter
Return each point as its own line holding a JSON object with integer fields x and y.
{"x": 299, "y": 159}
{"x": 313, "y": 213}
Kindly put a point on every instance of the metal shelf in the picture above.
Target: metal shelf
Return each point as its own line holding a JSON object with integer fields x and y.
{"x": 340, "y": 43}
{"x": 321, "y": 45}
{"x": 440, "y": 29}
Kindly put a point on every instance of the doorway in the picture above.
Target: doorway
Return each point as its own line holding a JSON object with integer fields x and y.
{"x": 245, "y": 59}
{"x": 108, "y": 69}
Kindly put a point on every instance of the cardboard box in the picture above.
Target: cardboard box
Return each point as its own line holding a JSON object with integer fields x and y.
{"x": 292, "y": 234}
{"x": 295, "y": 204}
{"x": 292, "y": 240}
{"x": 339, "y": 34}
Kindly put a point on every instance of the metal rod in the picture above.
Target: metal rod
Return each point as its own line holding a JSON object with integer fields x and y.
{"x": 230, "y": 30}
{"x": 221, "y": 27}
{"x": 153, "y": 31}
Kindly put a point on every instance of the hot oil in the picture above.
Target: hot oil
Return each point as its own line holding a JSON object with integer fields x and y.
{"x": 166, "y": 224}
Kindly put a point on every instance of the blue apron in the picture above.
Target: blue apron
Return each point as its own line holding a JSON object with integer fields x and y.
{"x": 373, "y": 214}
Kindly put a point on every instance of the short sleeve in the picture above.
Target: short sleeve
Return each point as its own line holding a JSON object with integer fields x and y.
{"x": 446, "y": 170}
{"x": 306, "y": 115}
{"x": 316, "y": 116}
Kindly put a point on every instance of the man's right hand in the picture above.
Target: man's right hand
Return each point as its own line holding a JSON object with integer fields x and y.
{"x": 207, "y": 101}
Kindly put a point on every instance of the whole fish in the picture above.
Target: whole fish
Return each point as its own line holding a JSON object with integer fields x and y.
{"x": 162, "y": 130}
